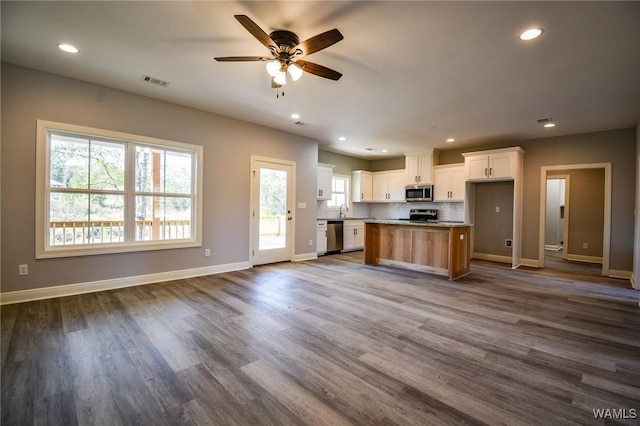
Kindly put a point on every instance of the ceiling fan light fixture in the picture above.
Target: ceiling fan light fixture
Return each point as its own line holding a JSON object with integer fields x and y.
{"x": 273, "y": 67}
{"x": 295, "y": 71}
{"x": 280, "y": 78}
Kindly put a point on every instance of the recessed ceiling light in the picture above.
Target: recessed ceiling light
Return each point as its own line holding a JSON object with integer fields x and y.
{"x": 295, "y": 116}
{"x": 549, "y": 125}
{"x": 342, "y": 138}
{"x": 531, "y": 33}
{"x": 67, "y": 48}
{"x": 384, "y": 150}
{"x": 369, "y": 149}
{"x": 451, "y": 140}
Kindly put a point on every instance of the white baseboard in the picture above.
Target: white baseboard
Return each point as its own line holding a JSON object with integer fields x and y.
{"x": 492, "y": 257}
{"x": 582, "y": 258}
{"x": 625, "y": 275}
{"x": 553, "y": 247}
{"x": 93, "y": 286}
{"x": 532, "y": 263}
{"x": 304, "y": 256}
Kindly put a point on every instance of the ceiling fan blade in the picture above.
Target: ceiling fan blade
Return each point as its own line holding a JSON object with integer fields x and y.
{"x": 257, "y": 32}
{"x": 242, "y": 59}
{"x": 319, "y": 42}
{"x": 318, "y": 70}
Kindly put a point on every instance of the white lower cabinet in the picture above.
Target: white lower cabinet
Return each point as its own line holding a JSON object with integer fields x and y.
{"x": 321, "y": 237}
{"x": 352, "y": 235}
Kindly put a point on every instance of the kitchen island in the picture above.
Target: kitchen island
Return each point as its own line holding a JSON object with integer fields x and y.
{"x": 441, "y": 248}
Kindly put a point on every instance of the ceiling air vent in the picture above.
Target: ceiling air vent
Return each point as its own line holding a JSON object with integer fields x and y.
{"x": 155, "y": 81}
{"x": 300, "y": 123}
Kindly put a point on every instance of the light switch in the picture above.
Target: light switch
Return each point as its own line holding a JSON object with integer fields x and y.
{"x": 497, "y": 209}
{"x": 302, "y": 205}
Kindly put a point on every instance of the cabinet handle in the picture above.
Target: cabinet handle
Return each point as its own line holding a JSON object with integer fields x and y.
{"x": 490, "y": 171}
{"x": 320, "y": 192}
{"x": 362, "y": 195}
{"x": 419, "y": 178}
{"x": 325, "y": 233}
{"x": 486, "y": 172}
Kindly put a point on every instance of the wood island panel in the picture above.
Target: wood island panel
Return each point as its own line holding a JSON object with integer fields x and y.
{"x": 438, "y": 249}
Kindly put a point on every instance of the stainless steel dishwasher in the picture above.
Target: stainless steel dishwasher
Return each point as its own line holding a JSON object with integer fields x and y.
{"x": 334, "y": 236}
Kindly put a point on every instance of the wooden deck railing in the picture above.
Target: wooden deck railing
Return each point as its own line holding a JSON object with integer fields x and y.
{"x": 112, "y": 231}
{"x": 105, "y": 231}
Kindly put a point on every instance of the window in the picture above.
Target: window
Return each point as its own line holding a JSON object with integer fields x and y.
{"x": 106, "y": 192}
{"x": 339, "y": 191}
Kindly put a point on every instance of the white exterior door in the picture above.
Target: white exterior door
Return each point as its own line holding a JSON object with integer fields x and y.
{"x": 271, "y": 211}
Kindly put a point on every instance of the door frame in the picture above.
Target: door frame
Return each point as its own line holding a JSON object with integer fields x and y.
{"x": 606, "y": 238}
{"x": 252, "y": 207}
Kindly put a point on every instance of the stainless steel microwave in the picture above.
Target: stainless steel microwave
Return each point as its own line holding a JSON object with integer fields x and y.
{"x": 418, "y": 193}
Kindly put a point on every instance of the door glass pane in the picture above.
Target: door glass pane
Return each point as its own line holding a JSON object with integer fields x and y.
{"x": 272, "y": 222}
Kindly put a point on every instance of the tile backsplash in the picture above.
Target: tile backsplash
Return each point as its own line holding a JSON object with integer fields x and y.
{"x": 446, "y": 211}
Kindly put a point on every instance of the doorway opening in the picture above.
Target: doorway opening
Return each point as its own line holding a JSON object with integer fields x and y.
{"x": 575, "y": 212}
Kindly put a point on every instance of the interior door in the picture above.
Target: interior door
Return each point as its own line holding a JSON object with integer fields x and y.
{"x": 271, "y": 213}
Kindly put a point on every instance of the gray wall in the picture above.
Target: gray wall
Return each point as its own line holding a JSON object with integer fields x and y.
{"x": 491, "y": 228}
{"x": 344, "y": 164}
{"x": 28, "y": 95}
{"x": 616, "y": 146}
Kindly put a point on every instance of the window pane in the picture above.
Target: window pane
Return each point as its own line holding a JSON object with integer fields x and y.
{"x": 149, "y": 166}
{"x": 340, "y": 199}
{"x": 338, "y": 185}
{"x": 107, "y": 219}
{"x": 69, "y": 162}
{"x": 163, "y": 218}
{"x": 273, "y": 209}
{"x": 178, "y": 173}
{"x": 159, "y": 170}
{"x": 86, "y": 219}
{"x": 107, "y": 166}
{"x": 68, "y": 207}
{"x": 69, "y": 218}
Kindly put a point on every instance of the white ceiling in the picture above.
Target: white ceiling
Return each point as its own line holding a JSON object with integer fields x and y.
{"x": 415, "y": 73}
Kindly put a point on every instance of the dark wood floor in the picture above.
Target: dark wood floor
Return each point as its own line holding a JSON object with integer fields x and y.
{"x": 329, "y": 341}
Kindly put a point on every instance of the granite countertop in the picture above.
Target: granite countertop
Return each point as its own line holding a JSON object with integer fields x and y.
{"x": 335, "y": 219}
{"x": 441, "y": 224}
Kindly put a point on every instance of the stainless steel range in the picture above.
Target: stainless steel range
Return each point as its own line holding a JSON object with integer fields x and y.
{"x": 423, "y": 215}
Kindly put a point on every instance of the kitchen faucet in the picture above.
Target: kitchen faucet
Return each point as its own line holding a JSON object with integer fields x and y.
{"x": 346, "y": 209}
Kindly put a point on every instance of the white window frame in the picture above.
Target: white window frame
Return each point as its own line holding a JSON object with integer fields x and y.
{"x": 45, "y": 250}
{"x": 347, "y": 192}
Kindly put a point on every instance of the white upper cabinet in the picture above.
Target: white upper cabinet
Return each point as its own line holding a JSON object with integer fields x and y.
{"x": 361, "y": 186}
{"x": 449, "y": 183}
{"x": 325, "y": 172}
{"x": 389, "y": 186}
{"x": 496, "y": 164}
{"x": 419, "y": 167}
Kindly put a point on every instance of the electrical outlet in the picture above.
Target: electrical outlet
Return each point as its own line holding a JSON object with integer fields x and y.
{"x": 23, "y": 270}
{"x": 508, "y": 242}
{"x": 585, "y": 245}
{"x": 207, "y": 252}
{"x": 497, "y": 209}
{"x": 310, "y": 243}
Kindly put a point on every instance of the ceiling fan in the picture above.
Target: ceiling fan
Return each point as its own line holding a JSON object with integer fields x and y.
{"x": 286, "y": 49}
